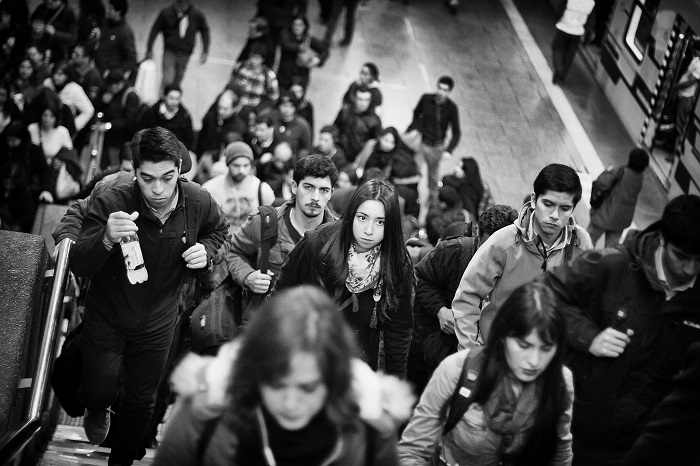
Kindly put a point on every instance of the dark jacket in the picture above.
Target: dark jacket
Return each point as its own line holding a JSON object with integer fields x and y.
{"x": 304, "y": 266}
{"x": 432, "y": 121}
{"x": 117, "y": 47}
{"x": 213, "y": 131}
{"x": 617, "y": 210}
{"x": 288, "y": 67}
{"x": 244, "y": 251}
{"x": 614, "y": 396}
{"x": 66, "y": 26}
{"x": 673, "y": 428}
{"x": 180, "y": 124}
{"x": 296, "y": 132}
{"x": 279, "y": 13}
{"x": 168, "y": 23}
{"x": 437, "y": 279}
{"x": 123, "y": 112}
{"x": 356, "y": 129}
{"x": 197, "y": 218}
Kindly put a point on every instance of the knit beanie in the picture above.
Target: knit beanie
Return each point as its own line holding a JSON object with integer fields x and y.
{"x": 238, "y": 149}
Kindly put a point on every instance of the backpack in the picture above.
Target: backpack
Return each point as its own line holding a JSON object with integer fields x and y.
{"x": 438, "y": 345}
{"x": 604, "y": 184}
{"x": 218, "y": 316}
{"x": 461, "y": 398}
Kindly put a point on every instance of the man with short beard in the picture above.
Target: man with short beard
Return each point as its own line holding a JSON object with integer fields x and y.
{"x": 314, "y": 178}
{"x": 239, "y": 192}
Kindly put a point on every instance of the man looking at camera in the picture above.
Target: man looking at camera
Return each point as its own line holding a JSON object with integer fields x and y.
{"x": 180, "y": 227}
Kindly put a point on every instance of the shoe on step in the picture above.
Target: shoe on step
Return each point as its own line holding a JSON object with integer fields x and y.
{"x": 96, "y": 424}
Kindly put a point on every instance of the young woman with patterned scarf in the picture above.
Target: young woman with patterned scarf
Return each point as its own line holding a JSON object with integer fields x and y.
{"x": 362, "y": 262}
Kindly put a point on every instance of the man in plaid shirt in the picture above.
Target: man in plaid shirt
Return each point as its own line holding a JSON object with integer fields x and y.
{"x": 257, "y": 82}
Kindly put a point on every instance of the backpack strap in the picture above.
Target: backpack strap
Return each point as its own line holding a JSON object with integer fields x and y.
{"x": 461, "y": 399}
{"x": 468, "y": 249}
{"x": 268, "y": 235}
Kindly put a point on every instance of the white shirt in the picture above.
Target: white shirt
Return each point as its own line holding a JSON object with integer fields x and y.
{"x": 51, "y": 141}
{"x": 575, "y": 16}
{"x": 668, "y": 289}
{"x": 694, "y": 70}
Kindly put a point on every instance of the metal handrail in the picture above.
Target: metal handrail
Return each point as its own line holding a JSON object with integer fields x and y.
{"x": 14, "y": 442}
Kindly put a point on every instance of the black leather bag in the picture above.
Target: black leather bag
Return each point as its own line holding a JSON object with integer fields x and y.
{"x": 67, "y": 373}
{"x": 213, "y": 322}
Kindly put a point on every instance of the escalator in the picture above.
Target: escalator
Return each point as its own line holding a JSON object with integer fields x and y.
{"x": 38, "y": 307}
{"x": 37, "y": 430}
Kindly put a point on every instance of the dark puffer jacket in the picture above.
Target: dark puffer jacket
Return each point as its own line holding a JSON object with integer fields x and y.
{"x": 614, "y": 396}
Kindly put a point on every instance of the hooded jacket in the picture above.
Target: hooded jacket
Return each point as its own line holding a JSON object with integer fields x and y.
{"x": 614, "y": 396}
{"x": 379, "y": 398}
{"x": 507, "y": 260}
{"x": 617, "y": 211}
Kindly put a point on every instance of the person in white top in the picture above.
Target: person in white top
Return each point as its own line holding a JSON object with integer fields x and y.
{"x": 71, "y": 94}
{"x": 570, "y": 27}
{"x": 686, "y": 88}
{"x": 50, "y": 137}
{"x": 238, "y": 191}
{"x": 48, "y": 133}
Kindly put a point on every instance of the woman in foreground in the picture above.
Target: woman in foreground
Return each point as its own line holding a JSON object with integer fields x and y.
{"x": 513, "y": 396}
{"x": 288, "y": 392}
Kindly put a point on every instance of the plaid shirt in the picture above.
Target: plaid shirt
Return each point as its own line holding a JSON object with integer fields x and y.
{"x": 255, "y": 84}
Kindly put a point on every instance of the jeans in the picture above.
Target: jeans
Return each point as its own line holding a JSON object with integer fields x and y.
{"x": 144, "y": 353}
{"x": 174, "y": 66}
{"x": 428, "y": 159}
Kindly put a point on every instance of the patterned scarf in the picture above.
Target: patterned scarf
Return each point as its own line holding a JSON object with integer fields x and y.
{"x": 363, "y": 269}
{"x": 363, "y": 274}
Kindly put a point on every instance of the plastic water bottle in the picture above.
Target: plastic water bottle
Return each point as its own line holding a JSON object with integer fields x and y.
{"x": 135, "y": 268}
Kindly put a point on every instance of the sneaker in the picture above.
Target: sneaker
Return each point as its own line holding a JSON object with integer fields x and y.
{"x": 96, "y": 424}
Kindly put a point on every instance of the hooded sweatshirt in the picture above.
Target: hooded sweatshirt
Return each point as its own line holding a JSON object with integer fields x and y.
{"x": 508, "y": 259}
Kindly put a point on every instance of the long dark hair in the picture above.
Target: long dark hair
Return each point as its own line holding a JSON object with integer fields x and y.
{"x": 302, "y": 319}
{"x": 395, "y": 264}
{"x": 64, "y": 67}
{"x": 472, "y": 187}
{"x": 533, "y": 306}
{"x": 397, "y": 139}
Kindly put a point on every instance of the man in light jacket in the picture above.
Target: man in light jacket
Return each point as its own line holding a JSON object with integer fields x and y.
{"x": 544, "y": 235}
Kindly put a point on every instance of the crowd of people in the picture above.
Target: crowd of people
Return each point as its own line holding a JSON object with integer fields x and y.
{"x": 306, "y": 263}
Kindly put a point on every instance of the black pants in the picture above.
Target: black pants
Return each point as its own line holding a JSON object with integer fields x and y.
{"x": 588, "y": 453}
{"x": 350, "y": 9}
{"x": 564, "y": 49}
{"x": 143, "y": 353}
